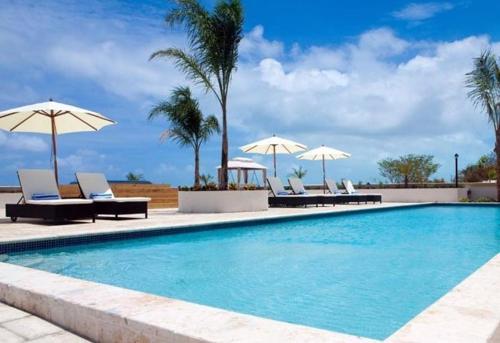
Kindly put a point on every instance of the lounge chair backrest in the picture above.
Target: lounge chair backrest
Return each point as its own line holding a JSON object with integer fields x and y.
{"x": 349, "y": 187}
{"x": 38, "y": 182}
{"x": 297, "y": 185}
{"x": 332, "y": 186}
{"x": 276, "y": 186}
{"x": 93, "y": 184}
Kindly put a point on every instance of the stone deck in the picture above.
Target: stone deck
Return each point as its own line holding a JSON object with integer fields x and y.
{"x": 17, "y": 326}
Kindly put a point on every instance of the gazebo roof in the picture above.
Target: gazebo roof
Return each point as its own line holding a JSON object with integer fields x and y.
{"x": 244, "y": 163}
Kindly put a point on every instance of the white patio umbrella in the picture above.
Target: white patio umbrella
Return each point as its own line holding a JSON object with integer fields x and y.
{"x": 273, "y": 145}
{"x": 321, "y": 154}
{"x": 52, "y": 118}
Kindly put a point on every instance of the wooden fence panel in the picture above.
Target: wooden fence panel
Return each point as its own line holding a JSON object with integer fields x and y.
{"x": 161, "y": 196}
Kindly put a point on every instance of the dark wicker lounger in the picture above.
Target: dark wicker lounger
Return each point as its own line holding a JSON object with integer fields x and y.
{"x": 60, "y": 212}
{"x": 95, "y": 186}
{"x": 41, "y": 199}
{"x": 295, "y": 200}
{"x": 281, "y": 197}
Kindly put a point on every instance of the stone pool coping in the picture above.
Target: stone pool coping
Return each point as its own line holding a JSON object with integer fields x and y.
{"x": 104, "y": 313}
{"x": 470, "y": 312}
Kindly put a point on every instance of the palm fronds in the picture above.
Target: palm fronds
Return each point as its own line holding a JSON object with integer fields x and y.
{"x": 484, "y": 84}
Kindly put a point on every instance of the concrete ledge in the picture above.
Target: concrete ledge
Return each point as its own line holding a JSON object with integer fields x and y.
{"x": 223, "y": 201}
{"x": 469, "y": 313}
{"x": 105, "y": 313}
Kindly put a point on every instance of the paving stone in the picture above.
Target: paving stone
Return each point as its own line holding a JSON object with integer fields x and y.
{"x": 31, "y": 327}
{"x": 61, "y": 337}
{"x": 9, "y": 337}
{"x": 8, "y": 313}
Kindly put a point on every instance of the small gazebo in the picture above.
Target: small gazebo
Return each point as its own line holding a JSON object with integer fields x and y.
{"x": 246, "y": 171}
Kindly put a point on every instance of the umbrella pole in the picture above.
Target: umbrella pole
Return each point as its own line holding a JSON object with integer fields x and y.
{"x": 324, "y": 176}
{"x": 54, "y": 145}
{"x": 274, "y": 159}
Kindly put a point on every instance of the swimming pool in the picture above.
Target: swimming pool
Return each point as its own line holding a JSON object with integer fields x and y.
{"x": 365, "y": 274}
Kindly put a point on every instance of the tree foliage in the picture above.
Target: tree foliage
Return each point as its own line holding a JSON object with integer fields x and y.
{"x": 134, "y": 177}
{"x": 188, "y": 126}
{"x": 482, "y": 170}
{"x": 299, "y": 172}
{"x": 409, "y": 168}
{"x": 214, "y": 38}
{"x": 484, "y": 91}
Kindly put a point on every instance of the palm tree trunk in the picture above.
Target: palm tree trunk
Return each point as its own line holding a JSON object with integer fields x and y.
{"x": 196, "y": 167}
{"x": 225, "y": 144}
{"x": 497, "y": 151}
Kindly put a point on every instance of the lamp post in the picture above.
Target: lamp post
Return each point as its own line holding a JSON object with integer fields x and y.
{"x": 456, "y": 170}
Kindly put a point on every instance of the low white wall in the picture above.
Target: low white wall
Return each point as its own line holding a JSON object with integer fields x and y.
{"x": 482, "y": 190}
{"x": 419, "y": 194}
{"x": 223, "y": 201}
{"x": 9, "y": 198}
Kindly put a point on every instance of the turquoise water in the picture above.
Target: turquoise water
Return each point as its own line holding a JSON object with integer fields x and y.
{"x": 365, "y": 274}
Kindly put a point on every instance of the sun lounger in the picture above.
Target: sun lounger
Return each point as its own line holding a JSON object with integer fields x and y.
{"x": 280, "y": 197}
{"x": 367, "y": 197}
{"x": 41, "y": 199}
{"x": 325, "y": 199}
{"x": 343, "y": 197}
{"x": 94, "y": 186}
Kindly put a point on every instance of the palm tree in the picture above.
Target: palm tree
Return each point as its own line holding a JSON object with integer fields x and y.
{"x": 299, "y": 172}
{"x": 188, "y": 127}
{"x": 484, "y": 84}
{"x": 134, "y": 177}
{"x": 214, "y": 38}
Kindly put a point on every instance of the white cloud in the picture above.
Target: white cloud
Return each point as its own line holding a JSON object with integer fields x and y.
{"x": 378, "y": 95}
{"x": 422, "y": 11}
{"x": 22, "y": 142}
{"x": 255, "y": 46}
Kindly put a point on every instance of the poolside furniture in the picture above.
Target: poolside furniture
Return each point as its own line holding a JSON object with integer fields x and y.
{"x": 332, "y": 187}
{"x": 41, "y": 199}
{"x": 94, "y": 186}
{"x": 325, "y": 199}
{"x": 349, "y": 187}
{"x": 281, "y": 197}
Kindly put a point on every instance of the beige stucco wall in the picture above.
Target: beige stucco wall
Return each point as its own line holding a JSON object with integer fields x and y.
{"x": 223, "y": 201}
{"x": 482, "y": 190}
{"x": 416, "y": 194}
{"x": 9, "y": 198}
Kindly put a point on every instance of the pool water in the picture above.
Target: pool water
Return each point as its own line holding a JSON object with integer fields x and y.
{"x": 364, "y": 274}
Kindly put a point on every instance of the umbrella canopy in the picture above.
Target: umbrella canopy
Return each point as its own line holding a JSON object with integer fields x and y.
{"x": 52, "y": 118}
{"x": 321, "y": 154}
{"x": 273, "y": 145}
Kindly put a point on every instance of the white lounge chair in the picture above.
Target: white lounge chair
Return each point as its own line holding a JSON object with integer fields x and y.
{"x": 332, "y": 187}
{"x": 41, "y": 199}
{"x": 349, "y": 187}
{"x": 94, "y": 186}
{"x": 281, "y": 197}
{"x": 331, "y": 199}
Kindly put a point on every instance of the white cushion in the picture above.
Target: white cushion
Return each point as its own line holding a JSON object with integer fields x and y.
{"x": 93, "y": 183}
{"x": 37, "y": 181}
{"x": 128, "y": 199}
{"x": 297, "y": 185}
{"x": 59, "y": 202}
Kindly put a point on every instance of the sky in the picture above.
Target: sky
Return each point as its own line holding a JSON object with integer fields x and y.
{"x": 377, "y": 79}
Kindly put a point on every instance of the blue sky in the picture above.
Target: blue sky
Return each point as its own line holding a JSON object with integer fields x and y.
{"x": 376, "y": 79}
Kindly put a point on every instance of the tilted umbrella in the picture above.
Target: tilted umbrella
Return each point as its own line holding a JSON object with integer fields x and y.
{"x": 273, "y": 145}
{"x": 52, "y": 118}
{"x": 321, "y": 154}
